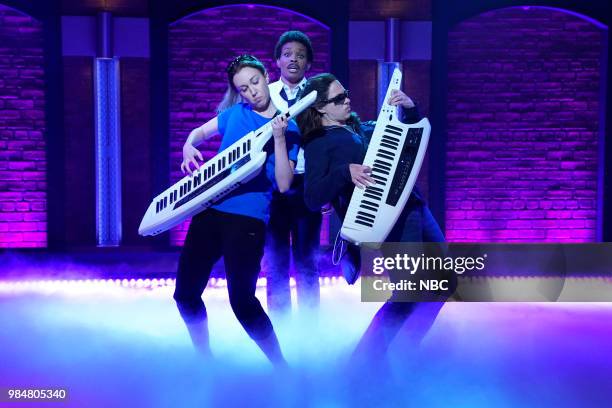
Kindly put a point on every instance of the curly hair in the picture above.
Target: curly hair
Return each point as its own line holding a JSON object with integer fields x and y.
{"x": 297, "y": 36}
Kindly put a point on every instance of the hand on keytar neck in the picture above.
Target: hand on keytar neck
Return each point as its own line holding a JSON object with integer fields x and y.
{"x": 279, "y": 125}
{"x": 399, "y": 98}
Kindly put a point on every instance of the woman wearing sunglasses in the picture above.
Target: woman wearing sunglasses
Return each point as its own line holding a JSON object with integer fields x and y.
{"x": 335, "y": 144}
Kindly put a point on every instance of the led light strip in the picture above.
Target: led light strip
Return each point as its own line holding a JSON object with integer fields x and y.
{"x": 37, "y": 285}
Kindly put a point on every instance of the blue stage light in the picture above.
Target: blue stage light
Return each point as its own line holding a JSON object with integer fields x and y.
{"x": 108, "y": 152}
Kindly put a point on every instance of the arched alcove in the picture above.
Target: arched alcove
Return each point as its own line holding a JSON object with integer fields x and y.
{"x": 524, "y": 118}
{"x": 23, "y": 197}
{"x": 200, "y": 47}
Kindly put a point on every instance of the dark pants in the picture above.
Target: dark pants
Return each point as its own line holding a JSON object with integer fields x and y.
{"x": 240, "y": 240}
{"x": 415, "y": 224}
{"x": 293, "y": 229}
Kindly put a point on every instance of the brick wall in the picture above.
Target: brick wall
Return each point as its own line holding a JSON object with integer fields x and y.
{"x": 522, "y": 127}
{"x": 22, "y": 145}
{"x": 200, "y": 47}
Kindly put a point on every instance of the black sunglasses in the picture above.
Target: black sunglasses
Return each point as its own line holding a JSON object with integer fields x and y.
{"x": 338, "y": 99}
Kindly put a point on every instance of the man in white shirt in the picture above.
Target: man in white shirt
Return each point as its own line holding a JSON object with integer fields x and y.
{"x": 293, "y": 228}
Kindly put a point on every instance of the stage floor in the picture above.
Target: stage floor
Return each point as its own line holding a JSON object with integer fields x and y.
{"x": 116, "y": 346}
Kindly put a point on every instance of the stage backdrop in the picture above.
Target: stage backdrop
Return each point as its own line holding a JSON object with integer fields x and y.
{"x": 523, "y": 126}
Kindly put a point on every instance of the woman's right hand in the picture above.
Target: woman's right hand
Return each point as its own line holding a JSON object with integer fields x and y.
{"x": 189, "y": 158}
{"x": 360, "y": 175}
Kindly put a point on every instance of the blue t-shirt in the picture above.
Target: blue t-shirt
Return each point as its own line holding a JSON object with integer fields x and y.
{"x": 253, "y": 198}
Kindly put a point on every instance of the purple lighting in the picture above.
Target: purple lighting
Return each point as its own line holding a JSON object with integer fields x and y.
{"x": 23, "y": 216}
{"x": 523, "y": 127}
{"x": 597, "y": 23}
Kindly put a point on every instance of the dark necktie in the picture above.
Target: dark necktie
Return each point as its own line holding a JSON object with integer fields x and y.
{"x": 290, "y": 103}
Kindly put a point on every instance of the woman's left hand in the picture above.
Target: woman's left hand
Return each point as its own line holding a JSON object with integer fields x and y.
{"x": 279, "y": 125}
{"x": 399, "y": 98}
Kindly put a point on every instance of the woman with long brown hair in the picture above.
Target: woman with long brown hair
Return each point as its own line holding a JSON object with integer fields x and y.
{"x": 335, "y": 143}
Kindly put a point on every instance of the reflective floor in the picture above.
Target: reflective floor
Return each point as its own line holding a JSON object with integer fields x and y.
{"x": 125, "y": 346}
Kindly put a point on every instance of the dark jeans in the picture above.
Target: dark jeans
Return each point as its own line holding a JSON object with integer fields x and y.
{"x": 415, "y": 224}
{"x": 293, "y": 229}
{"x": 240, "y": 240}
